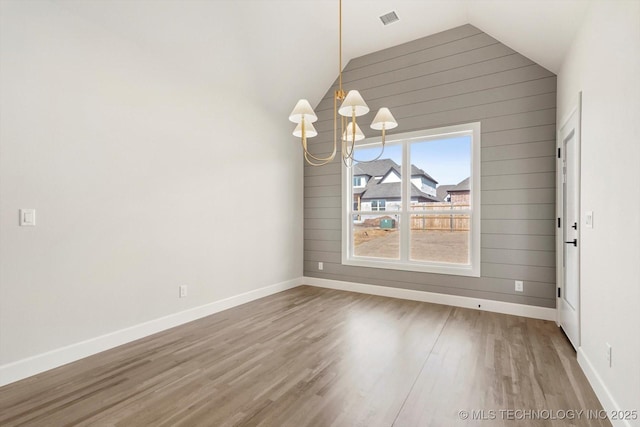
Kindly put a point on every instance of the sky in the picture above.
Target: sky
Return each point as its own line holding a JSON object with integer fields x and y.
{"x": 447, "y": 160}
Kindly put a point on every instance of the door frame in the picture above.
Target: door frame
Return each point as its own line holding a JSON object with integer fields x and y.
{"x": 560, "y": 221}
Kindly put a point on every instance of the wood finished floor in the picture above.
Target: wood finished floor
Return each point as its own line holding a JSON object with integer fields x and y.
{"x": 316, "y": 357}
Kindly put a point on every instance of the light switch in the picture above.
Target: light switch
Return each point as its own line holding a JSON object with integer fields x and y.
{"x": 588, "y": 219}
{"x": 27, "y": 217}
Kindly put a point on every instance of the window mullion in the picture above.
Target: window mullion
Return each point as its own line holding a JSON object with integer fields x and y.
{"x": 405, "y": 232}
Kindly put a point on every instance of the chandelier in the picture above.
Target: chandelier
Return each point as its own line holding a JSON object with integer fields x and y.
{"x": 352, "y": 106}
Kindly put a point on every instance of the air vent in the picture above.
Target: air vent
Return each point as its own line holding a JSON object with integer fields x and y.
{"x": 389, "y": 18}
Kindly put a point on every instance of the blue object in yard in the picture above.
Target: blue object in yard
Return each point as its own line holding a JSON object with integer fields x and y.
{"x": 387, "y": 223}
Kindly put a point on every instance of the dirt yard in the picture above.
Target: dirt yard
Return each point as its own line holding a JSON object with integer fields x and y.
{"x": 426, "y": 245}
{"x": 366, "y": 234}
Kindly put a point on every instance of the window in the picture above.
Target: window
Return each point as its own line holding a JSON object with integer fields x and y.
{"x": 424, "y": 215}
{"x": 359, "y": 181}
{"x": 378, "y": 205}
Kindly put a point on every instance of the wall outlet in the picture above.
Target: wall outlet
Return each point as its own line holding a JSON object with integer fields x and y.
{"x": 519, "y": 286}
{"x": 321, "y": 266}
{"x": 183, "y": 291}
{"x": 608, "y": 354}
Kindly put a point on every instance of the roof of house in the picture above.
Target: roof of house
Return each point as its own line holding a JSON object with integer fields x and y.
{"x": 376, "y": 189}
{"x": 393, "y": 190}
{"x": 417, "y": 171}
{"x": 462, "y": 186}
{"x": 443, "y": 190}
{"x": 383, "y": 166}
{"x": 375, "y": 168}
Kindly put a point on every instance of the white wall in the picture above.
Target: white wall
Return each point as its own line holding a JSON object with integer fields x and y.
{"x": 143, "y": 177}
{"x": 604, "y": 63}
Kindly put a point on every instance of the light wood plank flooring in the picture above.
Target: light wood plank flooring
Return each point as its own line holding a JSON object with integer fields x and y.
{"x": 317, "y": 357}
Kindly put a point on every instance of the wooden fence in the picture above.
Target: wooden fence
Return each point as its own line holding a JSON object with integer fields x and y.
{"x": 439, "y": 221}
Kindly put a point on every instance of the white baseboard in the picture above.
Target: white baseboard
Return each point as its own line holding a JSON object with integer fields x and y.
{"x": 445, "y": 299}
{"x": 24, "y": 368}
{"x": 606, "y": 399}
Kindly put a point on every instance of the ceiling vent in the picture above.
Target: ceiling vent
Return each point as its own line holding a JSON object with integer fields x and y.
{"x": 389, "y": 18}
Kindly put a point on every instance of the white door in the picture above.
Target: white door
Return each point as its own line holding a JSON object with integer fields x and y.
{"x": 569, "y": 231}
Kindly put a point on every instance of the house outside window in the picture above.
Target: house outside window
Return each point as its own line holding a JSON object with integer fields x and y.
{"x": 419, "y": 207}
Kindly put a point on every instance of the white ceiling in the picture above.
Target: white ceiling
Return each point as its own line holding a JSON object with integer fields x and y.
{"x": 287, "y": 49}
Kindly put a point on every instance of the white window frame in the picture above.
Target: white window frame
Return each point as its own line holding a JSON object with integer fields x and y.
{"x": 362, "y": 182}
{"x": 404, "y": 262}
{"x": 377, "y": 209}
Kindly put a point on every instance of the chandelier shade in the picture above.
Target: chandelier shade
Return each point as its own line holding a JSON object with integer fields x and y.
{"x": 384, "y": 120}
{"x": 309, "y": 130}
{"x": 348, "y": 133}
{"x": 353, "y": 104}
{"x": 301, "y": 111}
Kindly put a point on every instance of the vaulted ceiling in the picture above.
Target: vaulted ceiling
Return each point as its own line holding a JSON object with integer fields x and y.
{"x": 287, "y": 49}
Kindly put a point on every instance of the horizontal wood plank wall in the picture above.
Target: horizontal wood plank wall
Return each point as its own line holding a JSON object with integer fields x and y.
{"x": 458, "y": 76}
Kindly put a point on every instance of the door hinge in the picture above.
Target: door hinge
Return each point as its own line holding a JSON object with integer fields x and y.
{"x": 558, "y": 292}
{"x": 559, "y": 156}
{"x": 559, "y": 226}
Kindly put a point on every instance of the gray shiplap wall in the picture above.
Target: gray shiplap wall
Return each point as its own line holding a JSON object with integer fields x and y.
{"x": 458, "y": 76}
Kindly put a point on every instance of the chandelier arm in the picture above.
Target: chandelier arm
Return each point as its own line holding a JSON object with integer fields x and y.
{"x": 347, "y": 155}
{"x": 346, "y": 151}
{"x": 320, "y": 159}
{"x": 371, "y": 160}
{"x": 307, "y": 154}
{"x": 342, "y": 148}
{"x": 353, "y": 126}
{"x": 319, "y": 163}
{"x": 348, "y": 162}
{"x": 353, "y": 159}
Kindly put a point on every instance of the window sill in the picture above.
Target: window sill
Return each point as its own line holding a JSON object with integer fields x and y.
{"x": 421, "y": 267}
